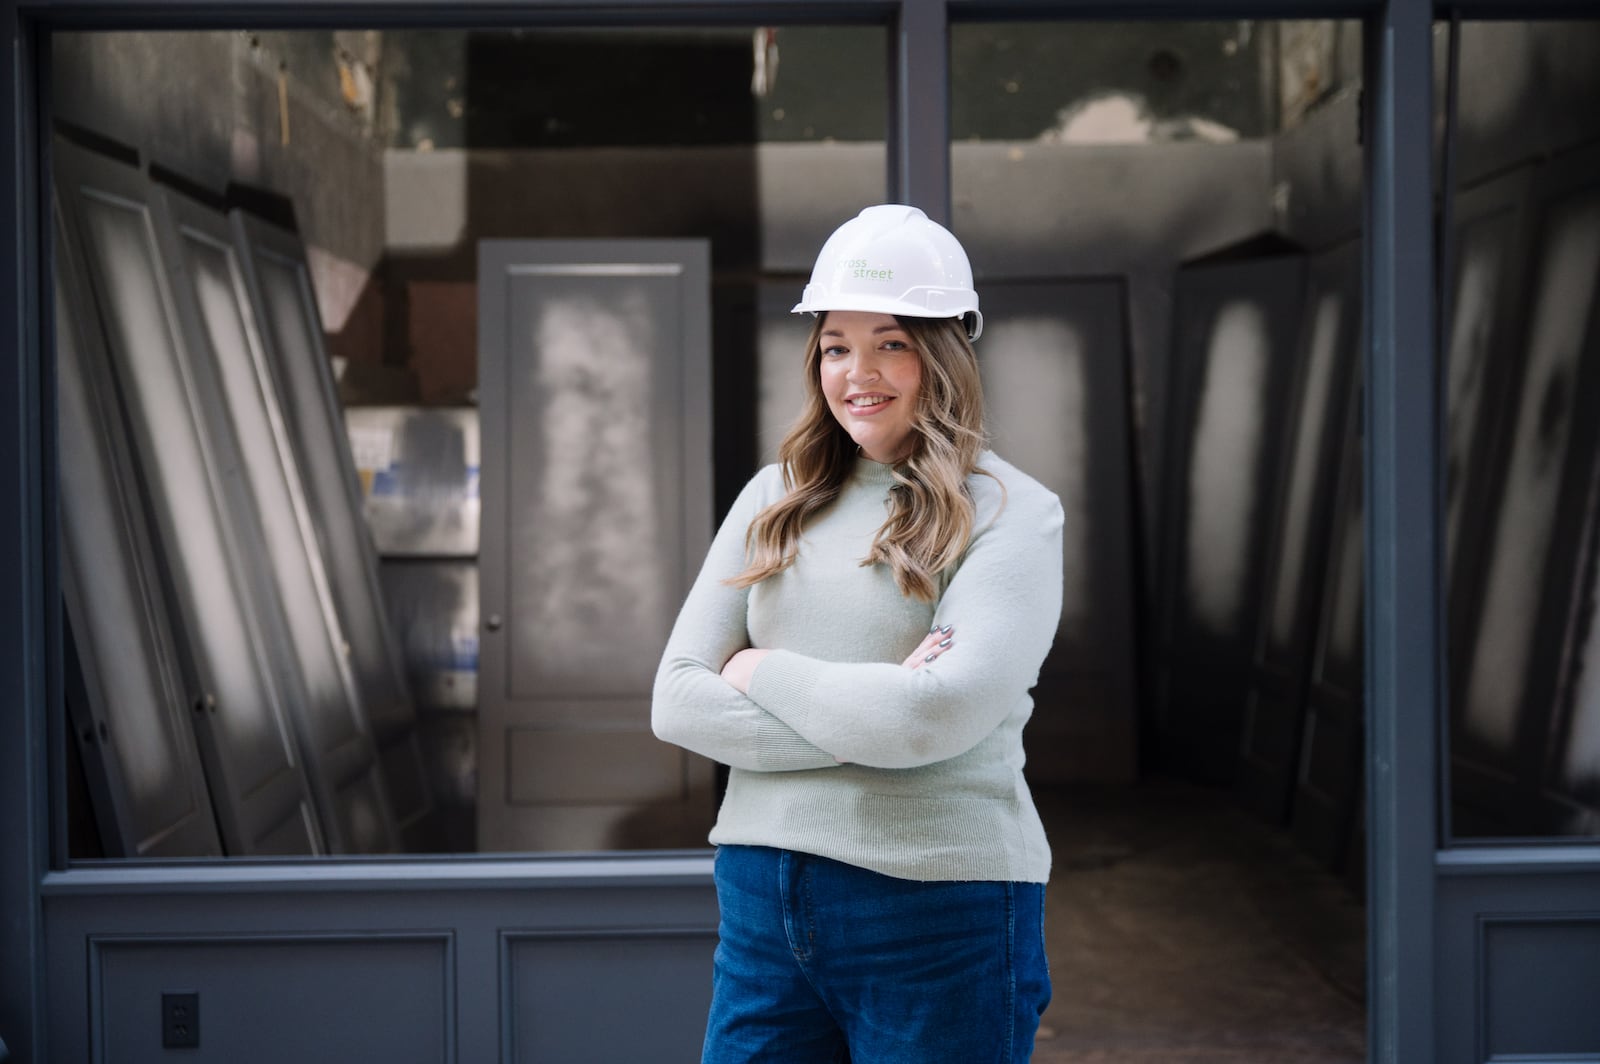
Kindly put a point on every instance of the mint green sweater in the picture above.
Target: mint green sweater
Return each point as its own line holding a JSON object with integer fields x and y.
{"x": 931, "y": 784}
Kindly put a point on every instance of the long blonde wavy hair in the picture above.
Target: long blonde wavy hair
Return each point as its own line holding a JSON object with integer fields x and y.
{"x": 931, "y": 512}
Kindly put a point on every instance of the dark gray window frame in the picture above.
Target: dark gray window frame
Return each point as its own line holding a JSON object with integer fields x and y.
{"x": 1403, "y": 611}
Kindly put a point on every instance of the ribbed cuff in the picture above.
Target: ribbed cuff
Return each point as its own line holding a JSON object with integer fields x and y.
{"x": 782, "y": 750}
{"x": 782, "y": 686}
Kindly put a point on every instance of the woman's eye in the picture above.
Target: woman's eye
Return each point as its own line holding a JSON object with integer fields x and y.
{"x": 894, "y": 345}
{"x": 832, "y": 352}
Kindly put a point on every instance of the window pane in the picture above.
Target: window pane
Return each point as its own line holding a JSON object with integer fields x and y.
{"x": 1523, "y": 459}
{"x": 391, "y": 155}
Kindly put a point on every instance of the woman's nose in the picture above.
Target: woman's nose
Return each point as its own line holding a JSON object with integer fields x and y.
{"x": 862, "y": 369}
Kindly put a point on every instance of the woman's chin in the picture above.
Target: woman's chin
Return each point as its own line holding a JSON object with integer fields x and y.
{"x": 881, "y": 454}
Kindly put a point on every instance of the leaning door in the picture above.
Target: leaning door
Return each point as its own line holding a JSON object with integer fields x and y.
{"x": 1519, "y": 887}
{"x": 594, "y": 391}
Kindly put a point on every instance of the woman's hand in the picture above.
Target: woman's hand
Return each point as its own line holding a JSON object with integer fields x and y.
{"x": 939, "y": 640}
{"x": 741, "y": 667}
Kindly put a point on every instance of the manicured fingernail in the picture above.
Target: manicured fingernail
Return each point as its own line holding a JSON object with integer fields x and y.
{"x": 947, "y": 628}
{"x": 945, "y": 643}
{"x": 932, "y": 630}
{"x": 930, "y": 657}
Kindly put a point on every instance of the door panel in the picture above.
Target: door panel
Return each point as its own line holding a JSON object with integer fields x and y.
{"x": 1233, "y": 360}
{"x": 1324, "y": 813}
{"x": 295, "y": 366}
{"x": 1488, "y": 239}
{"x": 260, "y": 793}
{"x": 596, "y": 515}
{"x": 125, "y": 685}
{"x": 1275, "y": 710}
{"x": 246, "y": 416}
{"x": 1512, "y": 696}
{"x": 1055, "y": 374}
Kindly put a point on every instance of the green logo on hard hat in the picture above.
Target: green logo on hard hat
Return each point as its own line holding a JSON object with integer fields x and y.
{"x": 864, "y": 270}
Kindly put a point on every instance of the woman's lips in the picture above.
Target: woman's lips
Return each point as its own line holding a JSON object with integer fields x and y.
{"x": 867, "y": 405}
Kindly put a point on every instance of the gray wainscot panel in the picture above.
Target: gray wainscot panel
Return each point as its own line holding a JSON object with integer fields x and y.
{"x": 451, "y": 960}
{"x": 566, "y": 992}
{"x": 1518, "y": 969}
{"x": 372, "y": 996}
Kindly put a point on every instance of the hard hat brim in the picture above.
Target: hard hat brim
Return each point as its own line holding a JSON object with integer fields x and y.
{"x": 972, "y": 320}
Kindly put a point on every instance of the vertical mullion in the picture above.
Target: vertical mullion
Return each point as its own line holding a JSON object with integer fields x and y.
{"x": 1402, "y": 533}
{"x": 1444, "y": 302}
{"x": 919, "y": 108}
{"x": 24, "y": 764}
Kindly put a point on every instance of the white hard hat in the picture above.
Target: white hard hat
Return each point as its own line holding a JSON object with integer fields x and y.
{"x": 894, "y": 259}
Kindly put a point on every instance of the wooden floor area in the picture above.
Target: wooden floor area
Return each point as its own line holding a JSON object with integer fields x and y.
{"x": 1181, "y": 929}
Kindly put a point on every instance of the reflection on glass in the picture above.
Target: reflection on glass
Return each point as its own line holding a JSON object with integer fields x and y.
{"x": 280, "y": 512}
{"x": 418, "y": 468}
{"x": 1471, "y": 328}
{"x": 433, "y": 611}
{"x": 113, "y": 625}
{"x": 1571, "y": 256}
{"x": 1227, "y": 442}
{"x": 1036, "y": 390}
{"x": 159, "y": 392}
{"x": 591, "y": 595}
{"x": 1124, "y": 81}
{"x": 1307, "y": 440}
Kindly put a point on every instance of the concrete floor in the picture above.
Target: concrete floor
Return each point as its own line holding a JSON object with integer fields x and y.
{"x": 1181, "y": 929}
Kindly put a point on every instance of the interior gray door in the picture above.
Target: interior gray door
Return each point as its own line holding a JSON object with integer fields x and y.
{"x": 1055, "y": 379}
{"x": 222, "y": 331}
{"x": 124, "y": 680}
{"x": 1234, "y": 353}
{"x": 1324, "y": 812}
{"x": 594, "y": 385}
{"x": 1330, "y": 347}
{"x": 259, "y": 790}
{"x": 294, "y": 364}
{"x": 1508, "y": 727}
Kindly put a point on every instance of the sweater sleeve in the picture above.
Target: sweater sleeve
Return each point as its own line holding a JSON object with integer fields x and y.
{"x": 692, "y": 705}
{"x": 1005, "y": 604}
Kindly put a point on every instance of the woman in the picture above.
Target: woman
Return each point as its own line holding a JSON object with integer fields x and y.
{"x": 858, "y": 648}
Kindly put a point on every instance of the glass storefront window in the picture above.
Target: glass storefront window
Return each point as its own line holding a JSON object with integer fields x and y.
{"x": 394, "y": 154}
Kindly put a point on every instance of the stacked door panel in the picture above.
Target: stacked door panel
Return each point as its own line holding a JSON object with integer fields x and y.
{"x": 1330, "y": 339}
{"x": 1327, "y": 782}
{"x": 313, "y": 439}
{"x": 250, "y": 558}
{"x": 1235, "y": 336}
{"x": 1520, "y": 594}
{"x": 128, "y": 690}
{"x": 1055, "y": 368}
{"x": 244, "y": 721}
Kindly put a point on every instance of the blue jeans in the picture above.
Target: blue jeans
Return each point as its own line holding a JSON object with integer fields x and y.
{"x": 824, "y": 962}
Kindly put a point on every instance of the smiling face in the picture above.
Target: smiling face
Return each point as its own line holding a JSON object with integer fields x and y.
{"x": 871, "y": 376}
